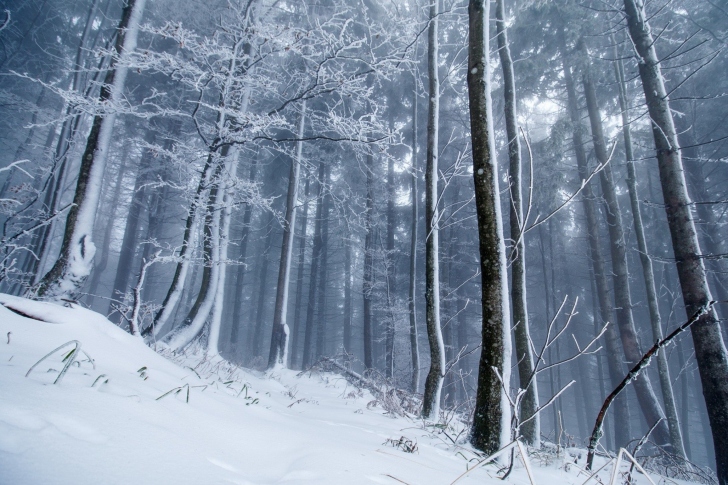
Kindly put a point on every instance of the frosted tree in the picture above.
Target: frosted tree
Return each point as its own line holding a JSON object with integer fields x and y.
{"x": 75, "y": 262}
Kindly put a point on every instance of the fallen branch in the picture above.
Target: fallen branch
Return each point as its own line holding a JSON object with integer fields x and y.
{"x": 634, "y": 374}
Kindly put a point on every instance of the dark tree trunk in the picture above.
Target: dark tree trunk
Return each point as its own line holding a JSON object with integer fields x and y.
{"x": 368, "y": 280}
{"x": 491, "y": 420}
{"x": 710, "y": 350}
{"x": 299, "y": 279}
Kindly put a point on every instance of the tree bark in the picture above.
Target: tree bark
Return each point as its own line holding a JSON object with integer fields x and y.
{"x": 436, "y": 374}
{"x": 415, "y": 201}
{"x": 75, "y": 261}
{"x": 606, "y": 311}
{"x": 299, "y": 279}
{"x": 710, "y": 350}
{"x": 620, "y": 272}
{"x": 531, "y": 431}
{"x": 491, "y": 420}
{"x": 278, "y": 356}
{"x": 647, "y": 272}
{"x": 308, "y": 342}
{"x": 368, "y": 280}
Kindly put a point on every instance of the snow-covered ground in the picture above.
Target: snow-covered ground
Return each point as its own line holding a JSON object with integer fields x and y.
{"x": 237, "y": 427}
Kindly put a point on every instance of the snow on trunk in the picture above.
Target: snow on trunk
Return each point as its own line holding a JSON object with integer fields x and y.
{"x": 436, "y": 375}
{"x": 213, "y": 339}
{"x": 75, "y": 262}
{"x": 710, "y": 350}
{"x": 279, "y": 339}
{"x": 492, "y": 414}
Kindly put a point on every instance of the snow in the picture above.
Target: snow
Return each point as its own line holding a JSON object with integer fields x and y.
{"x": 239, "y": 426}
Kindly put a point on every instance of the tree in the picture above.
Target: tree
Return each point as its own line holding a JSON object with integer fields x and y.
{"x": 75, "y": 262}
{"x": 710, "y": 350}
{"x": 491, "y": 420}
{"x": 529, "y": 404}
{"x": 436, "y": 374}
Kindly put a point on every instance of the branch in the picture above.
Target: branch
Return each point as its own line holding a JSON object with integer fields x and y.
{"x": 634, "y": 374}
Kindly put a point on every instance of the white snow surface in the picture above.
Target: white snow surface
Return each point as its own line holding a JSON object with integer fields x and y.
{"x": 239, "y": 426}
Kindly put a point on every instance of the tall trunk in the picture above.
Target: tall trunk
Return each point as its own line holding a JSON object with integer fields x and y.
{"x": 492, "y": 418}
{"x": 531, "y": 431}
{"x": 391, "y": 270}
{"x": 299, "y": 279}
{"x": 237, "y": 322}
{"x": 75, "y": 262}
{"x": 348, "y": 312}
{"x": 606, "y": 311}
{"x": 710, "y": 350}
{"x": 255, "y": 333}
{"x": 193, "y": 323}
{"x": 213, "y": 339}
{"x": 315, "y": 262}
{"x": 106, "y": 243}
{"x": 54, "y": 186}
{"x": 685, "y": 398}
{"x": 321, "y": 332}
{"x": 647, "y": 272}
{"x": 279, "y": 338}
{"x": 130, "y": 241}
{"x": 368, "y": 279}
{"x": 415, "y": 201}
{"x": 435, "y": 377}
{"x": 620, "y": 271}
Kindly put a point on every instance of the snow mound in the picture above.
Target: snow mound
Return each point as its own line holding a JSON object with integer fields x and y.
{"x": 124, "y": 414}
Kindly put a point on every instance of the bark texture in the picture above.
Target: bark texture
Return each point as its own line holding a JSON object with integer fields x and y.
{"x": 491, "y": 420}
{"x": 710, "y": 350}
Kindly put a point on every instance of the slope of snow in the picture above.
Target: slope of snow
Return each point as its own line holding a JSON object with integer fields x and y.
{"x": 238, "y": 427}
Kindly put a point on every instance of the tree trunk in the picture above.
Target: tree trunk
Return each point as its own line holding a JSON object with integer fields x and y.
{"x": 492, "y": 418}
{"x": 531, "y": 431}
{"x": 192, "y": 325}
{"x": 237, "y": 322}
{"x": 647, "y": 272}
{"x": 391, "y": 270}
{"x": 435, "y": 377}
{"x": 315, "y": 261}
{"x": 299, "y": 279}
{"x": 415, "y": 201}
{"x": 620, "y": 271}
{"x": 255, "y": 334}
{"x": 106, "y": 243}
{"x": 710, "y": 350}
{"x": 614, "y": 351}
{"x": 278, "y": 357}
{"x": 130, "y": 241}
{"x": 368, "y": 279}
{"x": 321, "y": 332}
{"x": 75, "y": 261}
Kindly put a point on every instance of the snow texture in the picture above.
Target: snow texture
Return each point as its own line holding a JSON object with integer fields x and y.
{"x": 238, "y": 427}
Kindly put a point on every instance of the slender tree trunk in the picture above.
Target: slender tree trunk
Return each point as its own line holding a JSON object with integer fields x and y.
{"x": 130, "y": 241}
{"x": 710, "y": 350}
{"x": 228, "y": 194}
{"x": 620, "y": 271}
{"x": 315, "y": 262}
{"x": 647, "y": 272}
{"x": 436, "y": 375}
{"x": 321, "y": 330}
{"x": 237, "y": 322}
{"x": 415, "y": 201}
{"x": 492, "y": 419}
{"x": 391, "y": 270}
{"x": 192, "y": 325}
{"x": 106, "y": 242}
{"x": 299, "y": 279}
{"x": 75, "y": 262}
{"x": 532, "y": 430}
{"x": 368, "y": 280}
{"x": 255, "y": 336}
{"x": 348, "y": 311}
{"x": 278, "y": 357}
{"x": 614, "y": 351}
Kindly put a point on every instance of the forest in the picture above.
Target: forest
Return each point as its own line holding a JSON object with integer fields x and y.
{"x": 511, "y": 210}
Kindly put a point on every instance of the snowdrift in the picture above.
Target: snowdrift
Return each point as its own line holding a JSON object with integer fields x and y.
{"x": 124, "y": 414}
